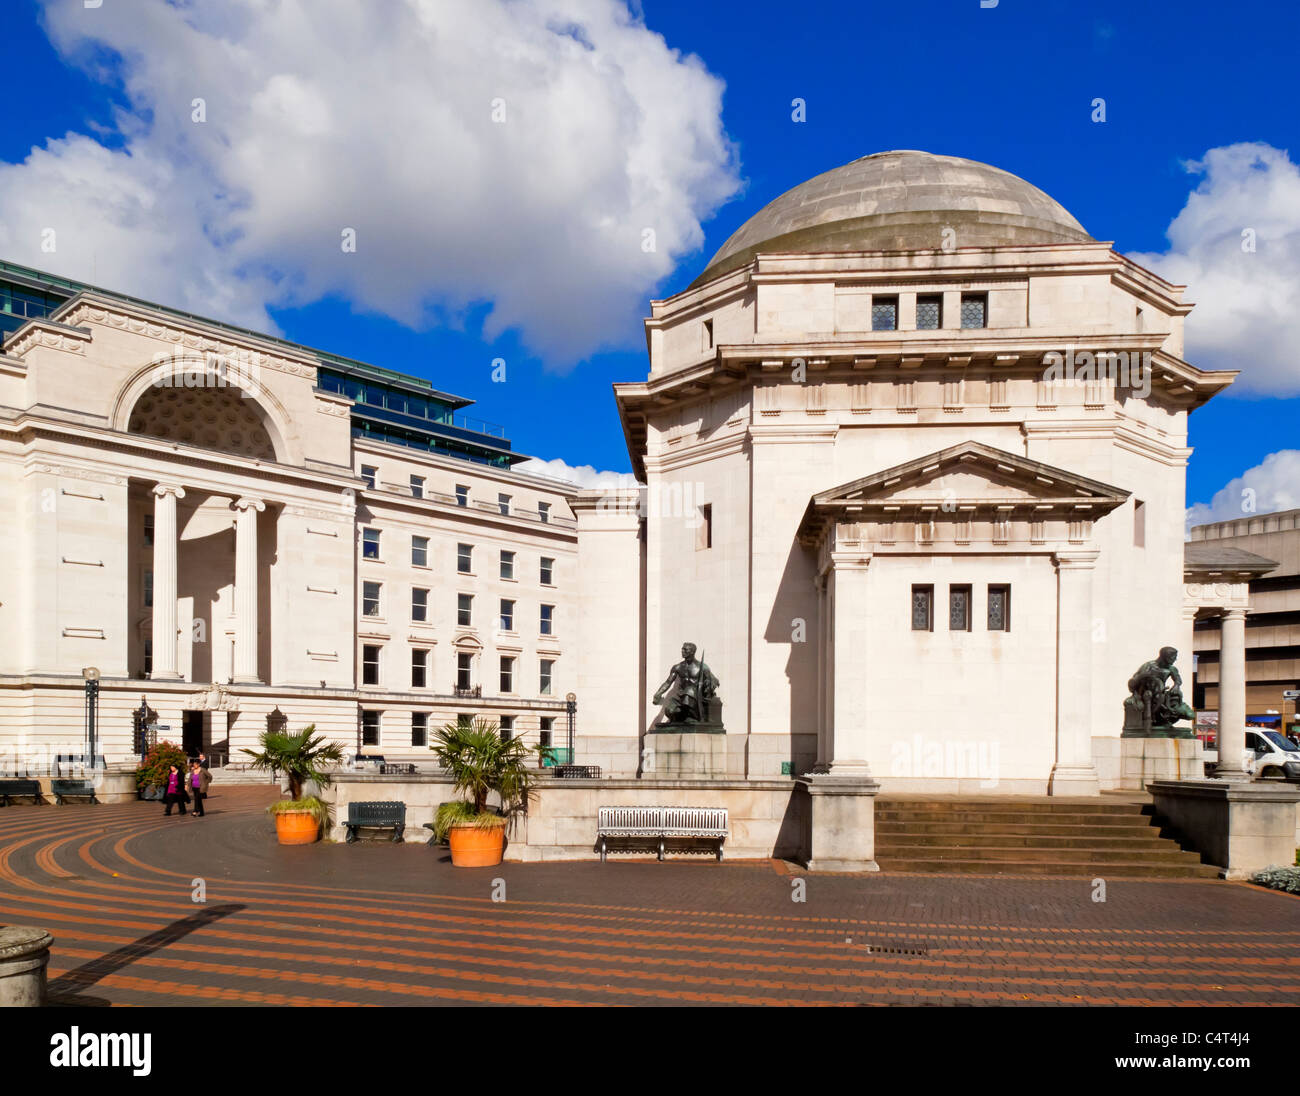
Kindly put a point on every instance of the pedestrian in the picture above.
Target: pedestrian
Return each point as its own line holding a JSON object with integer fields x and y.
{"x": 174, "y": 793}
{"x": 203, "y": 760}
{"x": 199, "y": 781}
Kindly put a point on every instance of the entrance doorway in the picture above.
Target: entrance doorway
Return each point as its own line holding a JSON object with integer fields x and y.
{"x": 192, "y": 733}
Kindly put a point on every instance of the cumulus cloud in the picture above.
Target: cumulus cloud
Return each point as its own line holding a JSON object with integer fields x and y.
{"x": 1272, "y": 485}
{"x": 1245, "y": 316}
{"x": 551, "y": 158}
{"x": 582, "y": 475}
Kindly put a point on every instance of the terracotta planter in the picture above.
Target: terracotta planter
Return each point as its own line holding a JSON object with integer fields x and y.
{"x": 472, "y": 847}
{"x": 297, "y": 828}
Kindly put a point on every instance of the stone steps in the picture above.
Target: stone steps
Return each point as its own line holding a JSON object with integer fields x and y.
{"x": 1095, "y": 838}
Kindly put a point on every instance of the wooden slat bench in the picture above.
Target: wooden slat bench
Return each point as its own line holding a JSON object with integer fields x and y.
{"x": 377, "y": 815}
{"x": 659, "y": 825}
{"x": 23, "y": 789}
{"x": 72, "y": 789}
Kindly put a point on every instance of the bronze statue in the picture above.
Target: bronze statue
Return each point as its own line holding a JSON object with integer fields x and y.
{"x": 690, "y": 688}
{"x": 1154, "y": 704}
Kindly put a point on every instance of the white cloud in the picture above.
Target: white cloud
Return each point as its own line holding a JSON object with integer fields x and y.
{"x": 323, "y": 115}
{"x": 1272, "y": 485}
{"x": 583, "y": 475}
{"x": 1245, "y": 316}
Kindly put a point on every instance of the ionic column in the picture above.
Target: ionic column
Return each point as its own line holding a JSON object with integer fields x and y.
{"x": 1074, "y": 772}
{"x": 847, "y": 647}
{"x": 1232, "y": 696}
{"x": 165, "y": 580}
{"x": 246, "y": 511}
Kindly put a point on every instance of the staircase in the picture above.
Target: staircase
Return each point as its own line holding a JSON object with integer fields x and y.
{"x": 1102, "y": 837}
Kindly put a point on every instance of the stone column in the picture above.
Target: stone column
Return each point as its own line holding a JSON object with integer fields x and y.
{"x": 246, "y": 510}
{"x": 847, "y": 650}
{"x": 823, "y": 672}
{"x": 24, "y": 955}
{"x": 165, "y": 580}
{"x": 1074, "y": 772}
{"x": 1232, "y": 696}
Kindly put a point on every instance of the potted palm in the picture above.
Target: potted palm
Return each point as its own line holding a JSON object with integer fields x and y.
{"x": 480, "y": 763}
{"x": 301, "y": 756}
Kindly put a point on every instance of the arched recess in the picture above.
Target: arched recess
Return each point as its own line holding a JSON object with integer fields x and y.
{"x": 197, "y": 401}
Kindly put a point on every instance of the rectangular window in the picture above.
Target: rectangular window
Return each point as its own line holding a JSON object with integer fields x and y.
{"x": 370, "y": 665}
{"x": 544, "y": 511}
{"x": 544, "y": 677}
{"x": 548, "y": 620}
{"x": 419, "y": 551}
{"x": 419, "y": 603}
{"x": 369, "y": 473}
{"x": 884, "y": 313}
{"x": 548, "y": 571}
{"x": 462, "y": 494}
{"x": 419, "y": 668}
{"x": 922, "y": 608}
{"x": 1139, "y": 524}
{"x": 148, "y": 530}
{"x": 507, "y": 674}
{"x": 464, "y": 609}
{"x": 464, "y": 670}
{"x": 507, "y": 615}
{"x": 370, "y": 728}
{"x": 929, "y": 312}
{"x": 369, "y": 543}
{"x": 544, "y": 735}
{"x": 503, "y": 503}
{"x": 704, "y": 533}
{"x": 370, "y": 598}
{"x": 465, "y": 558}
{"x": 148, "y": 589}
{"x": 417, "y": 487}
{"x": 148, "y": 657}
{"x": 999, "y": 608}
{"x": 547, "y": 725}
{"x": 959, "y": 608}
{"x": 974, "y": 309}
{"x": 507, "y": 565}
{"x": 419, "y": 728}
{"x": 507, "y": 728}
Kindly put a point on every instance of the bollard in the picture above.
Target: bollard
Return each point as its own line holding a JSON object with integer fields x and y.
{"x": 24, "y": 955}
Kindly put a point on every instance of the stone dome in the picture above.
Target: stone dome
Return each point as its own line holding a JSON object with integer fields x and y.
{"x": 900, "y": 201}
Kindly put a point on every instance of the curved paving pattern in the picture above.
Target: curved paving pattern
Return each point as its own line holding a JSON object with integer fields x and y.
{"x": 378, "y": 924}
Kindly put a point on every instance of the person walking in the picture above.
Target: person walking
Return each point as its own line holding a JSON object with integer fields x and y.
{"x": 174, "y": 793}
{"x": 203, "y": 760}
{"x": 200, "y": 778}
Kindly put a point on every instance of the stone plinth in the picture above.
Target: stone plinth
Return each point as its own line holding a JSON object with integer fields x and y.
{"x": 697, "y": 755}
{"x": 24, "y": 955}
{"x": 1241, "y": 827}
{"x": 842, "y": 822}
{"x": 1158, "y": 757}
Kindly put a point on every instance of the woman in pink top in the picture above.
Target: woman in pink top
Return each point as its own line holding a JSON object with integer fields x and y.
{"x": 174, "y": 792}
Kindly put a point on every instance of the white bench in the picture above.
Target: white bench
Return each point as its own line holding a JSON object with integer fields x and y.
{"x": 661, "y": 824}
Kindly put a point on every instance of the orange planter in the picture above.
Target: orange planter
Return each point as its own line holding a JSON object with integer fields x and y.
{"x": 472, "y": 847}
{"x": 297, "y": 828}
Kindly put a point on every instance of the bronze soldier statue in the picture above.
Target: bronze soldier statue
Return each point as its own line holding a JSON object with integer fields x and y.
{"x": 689, "y": 687}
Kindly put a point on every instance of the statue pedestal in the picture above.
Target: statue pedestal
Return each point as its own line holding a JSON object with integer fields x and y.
{"x": 693, "y": 755}
{"x": 1143, "y": 759}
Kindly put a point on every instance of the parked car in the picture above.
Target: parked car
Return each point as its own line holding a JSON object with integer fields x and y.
{"x": 1270, "y": 755}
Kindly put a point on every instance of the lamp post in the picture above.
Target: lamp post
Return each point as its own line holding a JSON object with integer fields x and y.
{"x": 570, "y": 710}
{"x": 91, "y": 677}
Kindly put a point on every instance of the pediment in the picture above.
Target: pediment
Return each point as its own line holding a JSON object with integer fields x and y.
{"x": 960, "y": 482}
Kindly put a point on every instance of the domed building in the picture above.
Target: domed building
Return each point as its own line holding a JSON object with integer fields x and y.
{"x": 914, "y": 446}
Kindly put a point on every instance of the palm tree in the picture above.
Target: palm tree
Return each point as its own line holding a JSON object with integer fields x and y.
{"x": 300, "y": 755}
{"x": 481, "y": 762}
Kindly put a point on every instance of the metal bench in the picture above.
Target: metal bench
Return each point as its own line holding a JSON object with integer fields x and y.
{"x": 23, "y": 789}
{"x": 378, "y": 815}
{"x": 577, "y": 772}
{"x": 392, "y": 768}
{"x": 72, "y": 789}
{"x": 660, "y": 825}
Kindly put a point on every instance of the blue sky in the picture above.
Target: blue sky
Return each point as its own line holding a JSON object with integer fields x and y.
{"x": 1010, "y": 85}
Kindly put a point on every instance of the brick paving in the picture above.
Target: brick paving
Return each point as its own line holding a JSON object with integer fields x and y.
{"x": 382, "y": 924}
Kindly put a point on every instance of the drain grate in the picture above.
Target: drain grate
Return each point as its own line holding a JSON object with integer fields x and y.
{"x": 895, "y": 947}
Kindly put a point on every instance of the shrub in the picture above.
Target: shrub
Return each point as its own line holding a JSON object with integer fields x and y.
{"x": 152, "y": 771}
{"x": 481, "y": 764}
{"x": 1283, "y": 879}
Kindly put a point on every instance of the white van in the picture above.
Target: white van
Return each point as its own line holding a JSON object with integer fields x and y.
{"x": 1270, "y": 755}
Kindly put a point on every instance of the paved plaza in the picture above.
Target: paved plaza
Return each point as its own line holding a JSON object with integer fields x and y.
{"x": 383, "y": 924}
